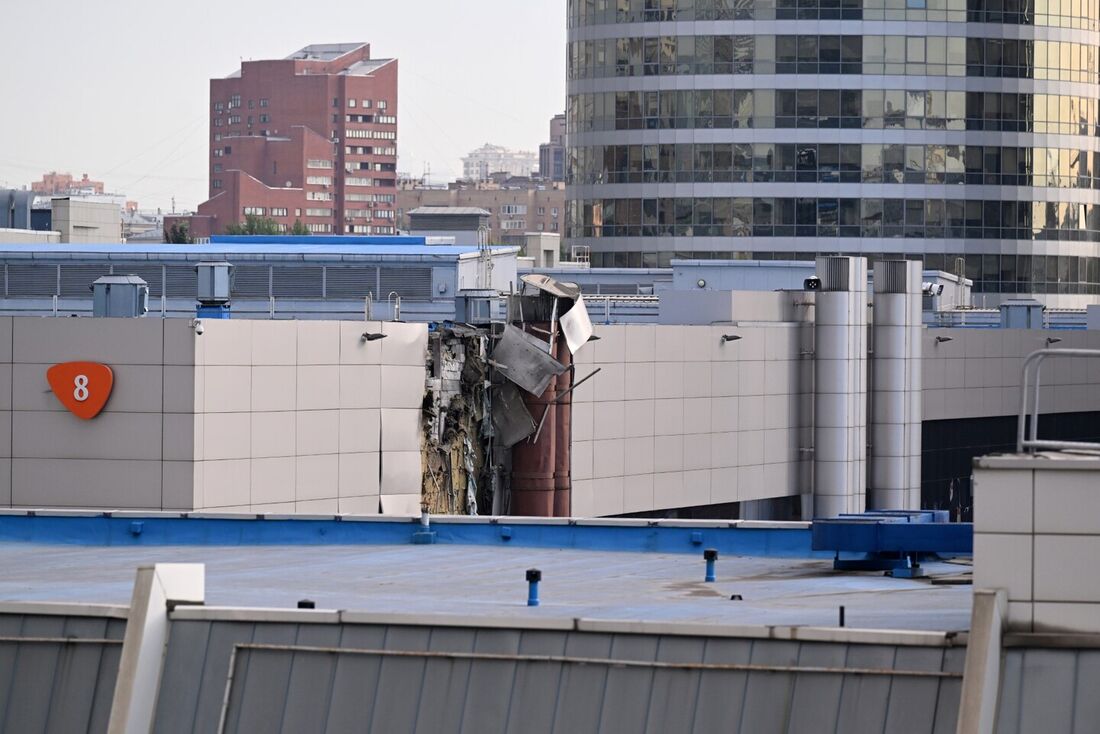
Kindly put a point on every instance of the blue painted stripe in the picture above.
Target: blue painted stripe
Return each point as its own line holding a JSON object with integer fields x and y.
{"x": 160, "y": 531}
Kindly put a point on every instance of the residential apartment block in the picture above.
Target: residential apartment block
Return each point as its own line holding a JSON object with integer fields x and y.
{"x": 311, "y": 138}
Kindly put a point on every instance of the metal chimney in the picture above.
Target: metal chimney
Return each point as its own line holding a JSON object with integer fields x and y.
{"x": 840, "y": 399}
{"x": 896, "y": 408}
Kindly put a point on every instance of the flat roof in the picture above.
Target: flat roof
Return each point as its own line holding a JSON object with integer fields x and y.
{"x": 68, "y": 560}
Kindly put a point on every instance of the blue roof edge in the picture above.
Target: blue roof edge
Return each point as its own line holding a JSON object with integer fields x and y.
{"x": 791, "y": 540}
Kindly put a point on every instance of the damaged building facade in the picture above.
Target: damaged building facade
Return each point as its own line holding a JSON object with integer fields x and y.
{"x": 476, "y": 388}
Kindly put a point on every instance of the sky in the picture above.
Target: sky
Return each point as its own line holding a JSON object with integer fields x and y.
{"x": 120, "y": 89}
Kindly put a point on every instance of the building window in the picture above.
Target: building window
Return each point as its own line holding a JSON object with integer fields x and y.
{"x": 542, "y": 211}
{"x": 228, "y": 149}
{"x": 318, "y": 163}
{"x": 265, "y": 118}
{"x": 217, "y": 168}
{"x": 318, "y": 212}
{"x": 509, "y": 209}
{"x": 216, "y": 183}
{"x": 513, "y": 224}
{"x": 367, "y": 103}
{"x": 351, "y": 102}
{"x": 256, "y": 211}
{"x": 382, "y": 104}
{"x": 386, "y": 120}
{"x": 263, "y": 102}
{"x": 278, "y": 211}
{"x": 234, "y": 119}
{"x": 318, "y": 196}
{"x": 217, "y": 122}
{"x": 319, "y": 180}
{"x": 251, "y": 104}
{"x": 219, "y": 106}
{"x": 297, "y": 212}
{"x": 335, "y": 101}
{"x": 554, "y": 213}
{"x": 235, "y": 101}
{"x": 319, "y": 227}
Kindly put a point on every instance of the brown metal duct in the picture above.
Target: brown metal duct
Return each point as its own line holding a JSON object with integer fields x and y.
{"x": 533, "y": 459}
{"x": 564, "y": 428}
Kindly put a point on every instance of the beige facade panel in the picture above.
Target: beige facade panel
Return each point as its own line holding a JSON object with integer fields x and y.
{"x": 90, "y": 483}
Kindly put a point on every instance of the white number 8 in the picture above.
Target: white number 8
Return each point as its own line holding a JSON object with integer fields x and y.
{"x": 80, "y": 388}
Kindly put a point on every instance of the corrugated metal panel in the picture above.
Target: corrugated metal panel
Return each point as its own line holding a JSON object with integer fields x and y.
{"x": 1049, "y": 690}
{"x": 33, "y": 280}
{"x": 181, "y": 281}
{"x": 296, "y": 282}
{"x": 412, "y": 284}
{"x": 57, "y": 686}
{"x": 351, "y": 282}
{"x": 332, "y": 691}
{"x": 151, "y": 274}
{"x": 76, "y": 280}
{"x": 250, "y": 281}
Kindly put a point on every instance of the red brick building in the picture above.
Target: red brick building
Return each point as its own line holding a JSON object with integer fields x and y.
{"x": 311, "y": 138}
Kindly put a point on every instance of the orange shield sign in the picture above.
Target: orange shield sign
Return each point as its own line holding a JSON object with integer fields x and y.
{"x": 82, "y": 387}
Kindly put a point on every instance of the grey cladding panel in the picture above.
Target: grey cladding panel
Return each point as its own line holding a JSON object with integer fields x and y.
{"x": 1049, "y": 690}
{"x": 305, "y": 683}
{"x": 181, "y": 281}
{"x": 76, "y": 280}
{"x": 250, "y": 281}
{"x": 297, "y": 282}
{"x": 153, "y": 275}
{"x": 33, "y": 280}
{"x": 63, "y": 686}
{"x": 351, "y": 282}
{"x": 412, "y": 284}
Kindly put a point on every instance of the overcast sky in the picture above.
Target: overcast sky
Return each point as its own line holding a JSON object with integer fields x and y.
{"x": 120, "y": 89}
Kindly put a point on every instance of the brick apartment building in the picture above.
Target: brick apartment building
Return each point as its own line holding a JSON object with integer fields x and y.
{"x": 516, "y": 205}
{"x": 311, "y": 138}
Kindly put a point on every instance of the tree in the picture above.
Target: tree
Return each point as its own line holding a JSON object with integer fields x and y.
{"x": 299, "y": 228}
{"x": 178, "y": 234}
{"x": 254, "y": 225}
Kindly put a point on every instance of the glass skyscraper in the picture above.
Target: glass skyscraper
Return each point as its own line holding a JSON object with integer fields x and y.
{"x": 932, "y": 129}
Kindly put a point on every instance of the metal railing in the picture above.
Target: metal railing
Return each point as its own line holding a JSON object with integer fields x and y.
{"x": 1029, "y": 439}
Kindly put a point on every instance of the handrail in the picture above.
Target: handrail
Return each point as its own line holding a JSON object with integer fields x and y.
{"x": 1033, "y": 443}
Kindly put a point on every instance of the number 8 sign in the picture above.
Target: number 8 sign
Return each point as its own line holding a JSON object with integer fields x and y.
{"x": 82, "y": 387}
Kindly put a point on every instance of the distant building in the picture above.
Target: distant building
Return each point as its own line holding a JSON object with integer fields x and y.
{"x": 466, "y": 224}
{"x": 29, "y": 217}
{"x": 482, "y": 163}
{"x": 86, "y": 222}
{"x": 311, "y": 138}
{"x": 515, "y": 205}
{"x": 63, "y": 184}
{"x": 552, "y": 154}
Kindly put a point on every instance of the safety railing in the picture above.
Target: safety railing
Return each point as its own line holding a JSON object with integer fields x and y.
{"x": 1027, "y": 437}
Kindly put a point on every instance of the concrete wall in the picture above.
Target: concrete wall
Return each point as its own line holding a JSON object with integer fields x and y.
{"x": 125, "y": 457}
{"x": 295, "y": 416}
{"x": 1037, "y": 536}
{"x": 267, "y": 416}
{"x": 88, "y": 222}
{"x": 675, "y": 418}
{"x": 29, "y": 237}
{"x": 977, "y": 373}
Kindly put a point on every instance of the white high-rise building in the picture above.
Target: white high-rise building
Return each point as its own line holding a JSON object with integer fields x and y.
{"x": 482, "y": 163}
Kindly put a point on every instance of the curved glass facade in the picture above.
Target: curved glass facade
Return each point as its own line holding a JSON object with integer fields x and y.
{"x": 785, "y": 128}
